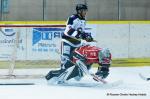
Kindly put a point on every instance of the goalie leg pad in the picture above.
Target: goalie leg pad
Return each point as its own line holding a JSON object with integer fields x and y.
{"x": 76, "y": 73}
{"x": 71, "y": 72}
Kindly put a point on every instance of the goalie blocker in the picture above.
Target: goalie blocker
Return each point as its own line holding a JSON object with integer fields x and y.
{"x": 87, "y": 55}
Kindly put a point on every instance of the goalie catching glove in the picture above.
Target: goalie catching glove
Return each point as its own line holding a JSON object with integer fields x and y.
{"x": 102, "y": 72}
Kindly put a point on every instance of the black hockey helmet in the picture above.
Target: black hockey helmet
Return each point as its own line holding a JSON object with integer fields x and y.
{"x": 81, "y": 7}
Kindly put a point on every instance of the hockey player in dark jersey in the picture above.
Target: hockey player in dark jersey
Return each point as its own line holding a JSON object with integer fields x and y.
{"x": 74, "y": 36}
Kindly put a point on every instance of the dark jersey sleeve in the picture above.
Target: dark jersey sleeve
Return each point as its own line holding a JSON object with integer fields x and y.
{"x": 70, "y": 21}
{"x": 70, "y": 24}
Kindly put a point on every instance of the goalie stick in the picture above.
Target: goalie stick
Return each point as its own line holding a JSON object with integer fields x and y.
{"x": 143, "y": 77}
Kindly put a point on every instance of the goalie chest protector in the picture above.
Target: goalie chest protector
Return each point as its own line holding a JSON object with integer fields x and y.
{"x": 90, "y": 53}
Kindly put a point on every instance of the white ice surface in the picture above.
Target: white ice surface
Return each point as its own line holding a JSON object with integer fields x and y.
{"x": 132, "y": 84}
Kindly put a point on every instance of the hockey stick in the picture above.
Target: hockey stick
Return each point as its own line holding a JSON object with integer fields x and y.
{"x": 143, "y": 77}
{"x": 85, "y": 70}
{"x": 17, "y": 84}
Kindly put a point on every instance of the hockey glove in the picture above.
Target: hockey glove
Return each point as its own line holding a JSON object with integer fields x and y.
{"x": 102, "y": 72}
{"x": 87, "y": 37}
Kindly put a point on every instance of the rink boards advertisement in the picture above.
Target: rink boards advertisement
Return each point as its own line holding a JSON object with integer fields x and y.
{"x": 31, "y": 43}
{"x": 39, "y": 43}
{"x": 9, "y": 45}
{"x": 44, "y": 43}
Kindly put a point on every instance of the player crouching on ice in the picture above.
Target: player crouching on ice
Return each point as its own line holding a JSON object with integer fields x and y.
{"x": 77, "y": 56}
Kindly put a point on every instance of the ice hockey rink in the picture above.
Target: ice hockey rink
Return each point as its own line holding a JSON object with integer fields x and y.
{"x": 131, "y": 86}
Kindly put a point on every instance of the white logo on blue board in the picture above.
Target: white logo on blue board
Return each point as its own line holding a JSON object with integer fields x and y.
{"x": 46, "y": 34}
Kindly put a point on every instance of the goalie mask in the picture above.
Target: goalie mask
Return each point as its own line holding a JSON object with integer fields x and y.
{"x": 104, "y": 56}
